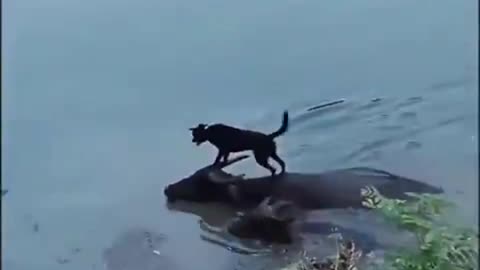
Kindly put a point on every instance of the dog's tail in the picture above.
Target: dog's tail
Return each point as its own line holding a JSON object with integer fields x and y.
{"x": 283, "y": 128}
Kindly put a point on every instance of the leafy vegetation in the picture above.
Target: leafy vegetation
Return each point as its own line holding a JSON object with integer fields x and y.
{"x": 440, "y": 245}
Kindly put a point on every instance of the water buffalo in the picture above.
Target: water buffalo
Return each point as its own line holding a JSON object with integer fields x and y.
{"x": 332, "y": 189}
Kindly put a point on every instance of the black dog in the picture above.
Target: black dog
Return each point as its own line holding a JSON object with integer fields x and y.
{"x": 229, "y": 139}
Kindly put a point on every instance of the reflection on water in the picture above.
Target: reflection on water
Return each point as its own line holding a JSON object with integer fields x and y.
{"x": 98, "y": 98}
{"x": 137, "y": 249}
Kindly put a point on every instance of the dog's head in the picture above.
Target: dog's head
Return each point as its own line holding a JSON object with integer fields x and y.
{"x": 199, "y": 134}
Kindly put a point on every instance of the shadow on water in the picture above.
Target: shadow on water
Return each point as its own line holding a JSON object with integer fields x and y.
{"x": 135, "y": 249}
{"x": 213, "y": 213}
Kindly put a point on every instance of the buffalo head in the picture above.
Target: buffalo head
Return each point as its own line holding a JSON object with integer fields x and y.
{"x": 208, "y": 184}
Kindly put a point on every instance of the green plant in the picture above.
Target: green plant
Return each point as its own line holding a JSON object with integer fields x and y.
{"x": 441, "y": 246}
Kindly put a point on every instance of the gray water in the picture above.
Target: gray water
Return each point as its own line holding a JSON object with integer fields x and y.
{"x": 98, "y": 97}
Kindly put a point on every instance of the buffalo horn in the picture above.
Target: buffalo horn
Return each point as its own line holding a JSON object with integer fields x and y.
{"x": 224, "y": 178}
{"x": 224, "y": 164}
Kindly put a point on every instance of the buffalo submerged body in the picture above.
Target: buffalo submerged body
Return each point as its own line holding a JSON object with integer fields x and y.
{"x": 339, "y": 188}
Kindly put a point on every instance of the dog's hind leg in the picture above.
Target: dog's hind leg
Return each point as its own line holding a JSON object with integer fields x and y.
{"x": 262, "y": 160}
{"x": 279, "y": 160}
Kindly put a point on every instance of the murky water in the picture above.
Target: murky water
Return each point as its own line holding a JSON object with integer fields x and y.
{"x": 98, "y": 97}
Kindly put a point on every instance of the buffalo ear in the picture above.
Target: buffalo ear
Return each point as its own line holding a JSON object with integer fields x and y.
{"x": 280, "y": 210}
{"x": 284, "y": 211}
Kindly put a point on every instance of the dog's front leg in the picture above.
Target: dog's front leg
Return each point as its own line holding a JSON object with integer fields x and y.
{"x": 225, "y": 156}
{"x": 219, "y": 156}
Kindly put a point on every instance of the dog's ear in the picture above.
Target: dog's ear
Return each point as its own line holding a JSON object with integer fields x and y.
{"x": 199, "y": 126}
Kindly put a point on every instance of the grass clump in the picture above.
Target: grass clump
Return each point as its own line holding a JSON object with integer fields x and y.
{"x": 440, "y": 245}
